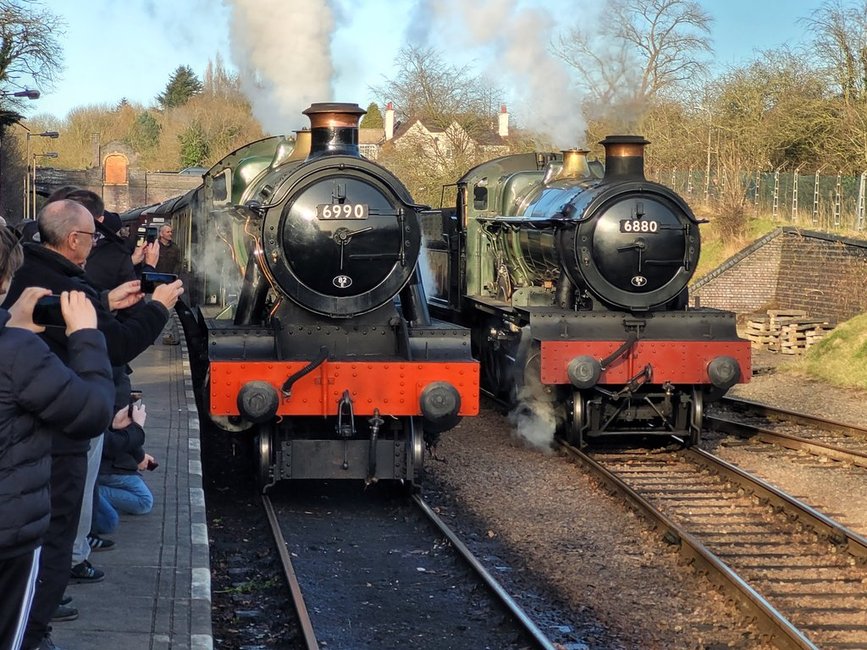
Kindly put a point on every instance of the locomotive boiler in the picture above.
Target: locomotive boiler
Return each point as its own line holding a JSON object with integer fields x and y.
{"x": 308, "y": 318}
{"x": 574, "y": 282}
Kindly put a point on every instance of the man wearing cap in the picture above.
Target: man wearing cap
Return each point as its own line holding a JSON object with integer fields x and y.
{"x": 109, "y": 263}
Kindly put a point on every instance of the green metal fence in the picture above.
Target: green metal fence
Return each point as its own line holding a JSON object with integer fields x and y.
{"x": 819, "y": 200}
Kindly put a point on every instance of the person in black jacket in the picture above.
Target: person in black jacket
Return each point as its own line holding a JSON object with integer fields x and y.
{"x": 40, "y": 398}
{"x": 67, "y": 230}
{"x": 110, "y": 262}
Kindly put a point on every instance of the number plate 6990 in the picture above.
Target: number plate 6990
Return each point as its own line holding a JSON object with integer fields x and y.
{"x": 342, "y": 211}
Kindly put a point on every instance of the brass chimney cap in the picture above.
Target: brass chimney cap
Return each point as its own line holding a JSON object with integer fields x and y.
{"x": 622, "y": 146}
{"x": 334, "y": 115}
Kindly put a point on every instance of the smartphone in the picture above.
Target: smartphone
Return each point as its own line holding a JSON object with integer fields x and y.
{"x": 150, "y": 280}
{"x": 152, "y": 465}
{"x": 134, "y": 400}
{"x": 47, "y": 312}
{"x": 151, "y": 234}
{"x": 141, "y": 235}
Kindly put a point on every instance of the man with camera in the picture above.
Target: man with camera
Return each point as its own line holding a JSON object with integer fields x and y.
{"x": 169, "y": 262}
{"x": 67, "y": 232}
{"x": 43, "y": 398}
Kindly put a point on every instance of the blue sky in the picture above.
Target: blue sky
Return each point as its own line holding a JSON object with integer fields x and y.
{"x": 129, "y": 49}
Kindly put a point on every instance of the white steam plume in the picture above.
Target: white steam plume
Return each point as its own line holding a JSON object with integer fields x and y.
{"x": 518, "y": 39}
{"x": 282, "y": 49}
{"x": 536, "y": 415}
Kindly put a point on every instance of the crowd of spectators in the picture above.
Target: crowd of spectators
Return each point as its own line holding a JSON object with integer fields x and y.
{"x": 72, "y": 440}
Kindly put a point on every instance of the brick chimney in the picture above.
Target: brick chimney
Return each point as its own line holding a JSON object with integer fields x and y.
{"x": 389, "y": 121}
{"x": 503, "y": 126}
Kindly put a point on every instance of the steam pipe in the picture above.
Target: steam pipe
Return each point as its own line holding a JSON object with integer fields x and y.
{"x": 414, "y": 304}
{"x": 253, "y": 294}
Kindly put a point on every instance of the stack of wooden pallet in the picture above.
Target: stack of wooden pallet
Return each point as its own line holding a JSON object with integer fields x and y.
{"x": 786, "y": 331}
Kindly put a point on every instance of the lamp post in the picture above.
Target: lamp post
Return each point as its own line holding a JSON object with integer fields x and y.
{"x": 11, "y": 117}
{"x": 27, "y": 92}
{"x": 47, "y": 154}
{"x": 27, "y": 182}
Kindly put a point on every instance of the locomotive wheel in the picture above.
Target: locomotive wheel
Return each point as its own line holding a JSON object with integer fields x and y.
{"x": 265, "y": 460}
{"x": 414, "y": 453}
{"x": 696, "y": 416}
{"x": 575, "y": 432}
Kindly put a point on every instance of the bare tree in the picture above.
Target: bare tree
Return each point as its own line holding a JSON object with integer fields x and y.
{"x": 840, "y": 31}
{"x": 29, "y": 56}
{"x": 644, "y": 49}
{"x": 30, "y": 53}
{"x": 458, "y": 110}
{"x": 428, "y": 88}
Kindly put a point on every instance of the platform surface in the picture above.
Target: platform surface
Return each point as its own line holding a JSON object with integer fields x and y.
{"x": 157, "y": 588}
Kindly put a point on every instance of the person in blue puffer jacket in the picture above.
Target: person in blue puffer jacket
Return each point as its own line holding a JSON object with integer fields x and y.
{"x": 40, "y": 397}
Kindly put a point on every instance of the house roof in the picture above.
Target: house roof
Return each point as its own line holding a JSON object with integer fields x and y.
{"x": 491, "y": 139}
{"x": 485, "y": 138}
{"x": 371, "y": 135}
{"x": 402, "y": 127}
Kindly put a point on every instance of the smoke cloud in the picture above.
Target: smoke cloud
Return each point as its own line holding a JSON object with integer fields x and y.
{"x": 282, "y": 51}
{"x": 512, "y": 42}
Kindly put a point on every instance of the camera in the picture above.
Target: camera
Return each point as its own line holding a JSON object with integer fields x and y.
{"x": 151, "y": 234}
{"x": 150, "y": 280}
{"x": 134, "y": 399}
{"x": 47, "y": 312}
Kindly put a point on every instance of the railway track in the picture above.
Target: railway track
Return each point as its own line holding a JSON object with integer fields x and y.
{"x": 798, "y": 573}
{"x": 390, "y": 575}
{"x": 768, "y": 425}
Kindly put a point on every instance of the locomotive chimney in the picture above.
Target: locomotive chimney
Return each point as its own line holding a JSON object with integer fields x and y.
{"x": 334, "y": 129}
{"x": 624, "y": 157}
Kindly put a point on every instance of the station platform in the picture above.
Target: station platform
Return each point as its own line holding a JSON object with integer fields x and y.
{"x": 157, "y": 588}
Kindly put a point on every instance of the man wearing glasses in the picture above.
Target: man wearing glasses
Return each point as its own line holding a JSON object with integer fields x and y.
{"x": 67, "y": 233}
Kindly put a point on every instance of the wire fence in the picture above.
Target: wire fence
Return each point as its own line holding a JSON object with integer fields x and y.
{"x": 825, "y": 201}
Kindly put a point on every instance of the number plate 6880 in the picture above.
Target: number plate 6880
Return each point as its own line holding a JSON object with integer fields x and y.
{"x": 639, "y": 225}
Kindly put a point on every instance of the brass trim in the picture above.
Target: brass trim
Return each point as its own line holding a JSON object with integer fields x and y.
{"x": 303, "y": 140}
{"x": 624, "y": 150}
{"x": 334, "y": 115}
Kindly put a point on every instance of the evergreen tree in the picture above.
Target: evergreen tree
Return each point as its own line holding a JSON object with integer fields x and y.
{"x": 182, "y": 85}
{"x": 373, "y": 119}
{"x": 145, "y": 132}
{"x": 195, "y": 148}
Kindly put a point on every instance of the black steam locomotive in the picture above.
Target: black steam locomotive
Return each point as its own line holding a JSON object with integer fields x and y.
{"x": 574, "y": 283}
{"x": 308, "y": 319}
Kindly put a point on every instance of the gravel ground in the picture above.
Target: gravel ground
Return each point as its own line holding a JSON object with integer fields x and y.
{"x": 595, "y": 566}
{"x": 582, "y": 563}
{"x": 837, "y": 491}
{"x": 584, "y": 553}
{"x": 776, "y": 387}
